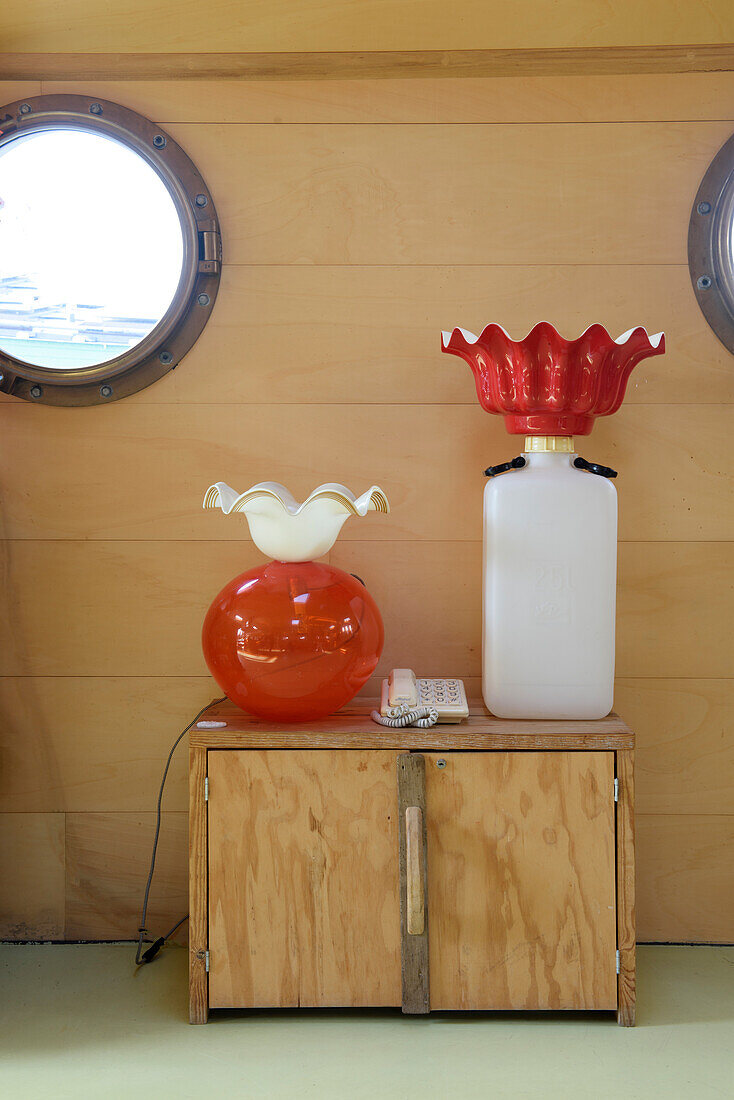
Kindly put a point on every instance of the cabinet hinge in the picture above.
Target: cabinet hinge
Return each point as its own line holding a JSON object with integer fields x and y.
{"x": 206, "y": 961}
{"x": 206, "y": 789}
{"x": 616, "y": 790}
{"x": 210, "y": 251}
{"x": 618, "y": 961}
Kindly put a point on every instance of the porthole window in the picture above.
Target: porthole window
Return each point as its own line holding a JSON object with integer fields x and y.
{"x": 711, "y": 245}
{"x": 110, "y": 251}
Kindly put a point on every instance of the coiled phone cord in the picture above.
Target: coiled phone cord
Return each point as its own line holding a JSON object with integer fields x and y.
{"x": 404, "y": 715}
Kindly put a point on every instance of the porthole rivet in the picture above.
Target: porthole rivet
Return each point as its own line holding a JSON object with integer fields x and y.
{"x": 704, "y": 208}
{"x": 441, "y": 763}
{"x": 106, "y": 391}
{"x": 703, "y": 282}
{"x": 25, "y": 108}
{"x": 201, "y": 200}
{"x": 95, "y": 109}
{"x": 36, "y": 391}
{"x": 203, "y": 299}
{"x": 165, "y": 357}
{"x": 159, "y": 141}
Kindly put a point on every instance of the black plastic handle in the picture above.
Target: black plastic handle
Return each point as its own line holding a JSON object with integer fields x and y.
{"x": 514, "y": 464}
{"x": 594, "y": 467}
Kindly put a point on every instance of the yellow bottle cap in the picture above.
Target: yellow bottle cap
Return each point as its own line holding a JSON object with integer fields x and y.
{"x": 561, "y": 443}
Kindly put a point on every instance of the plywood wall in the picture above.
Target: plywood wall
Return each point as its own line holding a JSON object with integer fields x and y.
{"x": 359, "y": 219}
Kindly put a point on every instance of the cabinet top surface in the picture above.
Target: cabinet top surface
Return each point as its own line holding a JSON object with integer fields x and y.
{"x": 352, "y": 727}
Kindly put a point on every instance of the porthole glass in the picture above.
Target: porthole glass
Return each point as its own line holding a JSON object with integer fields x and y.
{"x": 63, "y": 305}
{"x": 711, "y": 245}
{"x": 109, "y": 251}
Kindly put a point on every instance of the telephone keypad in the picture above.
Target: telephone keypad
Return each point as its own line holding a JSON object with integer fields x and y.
{"x": 446, "y": 695}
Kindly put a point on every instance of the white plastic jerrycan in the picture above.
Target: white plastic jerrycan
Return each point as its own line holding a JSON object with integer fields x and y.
{"x": 550, "y": 519}
{"x": 549, "y": 592}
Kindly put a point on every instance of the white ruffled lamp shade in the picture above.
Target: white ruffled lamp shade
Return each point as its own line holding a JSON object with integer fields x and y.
{"x": 288, "y": 531}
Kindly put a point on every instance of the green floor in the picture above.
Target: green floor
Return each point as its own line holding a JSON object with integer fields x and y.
{"x": 77, "y": 1022}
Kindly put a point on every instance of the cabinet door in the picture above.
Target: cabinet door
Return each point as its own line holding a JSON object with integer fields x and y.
{"x": 521, "y": 880}
{"x": 303, "y": 879}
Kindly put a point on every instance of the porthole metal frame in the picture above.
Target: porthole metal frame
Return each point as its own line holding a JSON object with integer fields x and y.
{"x": 166, "y": 344}
{"x": 710, "y": 252}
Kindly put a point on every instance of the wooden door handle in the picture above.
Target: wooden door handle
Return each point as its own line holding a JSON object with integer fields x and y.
{"x": 415, "y": 893}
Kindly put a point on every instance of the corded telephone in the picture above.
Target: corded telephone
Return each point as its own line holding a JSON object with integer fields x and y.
{"x": 408, "y": 701}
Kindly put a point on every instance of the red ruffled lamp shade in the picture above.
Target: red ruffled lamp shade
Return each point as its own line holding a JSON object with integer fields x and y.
{"x": 545, "y": 385}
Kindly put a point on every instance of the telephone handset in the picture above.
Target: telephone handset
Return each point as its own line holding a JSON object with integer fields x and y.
{"x": 404, "y": 696}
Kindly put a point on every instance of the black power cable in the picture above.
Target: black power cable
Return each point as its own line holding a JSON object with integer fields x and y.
{"x": 150, "y": 954}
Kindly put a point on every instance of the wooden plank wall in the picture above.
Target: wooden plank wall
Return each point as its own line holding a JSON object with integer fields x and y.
{"x": 307, "y": 26}
{"x": 360, "y": 218}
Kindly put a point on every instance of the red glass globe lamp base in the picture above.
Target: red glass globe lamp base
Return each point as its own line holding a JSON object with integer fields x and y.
{"x": 292, "y": 641}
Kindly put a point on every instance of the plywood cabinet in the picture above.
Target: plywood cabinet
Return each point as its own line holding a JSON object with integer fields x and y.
{"x": 303, "y": 879}
{"x": 485, "y": 867}
{"x": 521, "y": 888}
